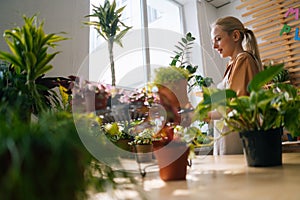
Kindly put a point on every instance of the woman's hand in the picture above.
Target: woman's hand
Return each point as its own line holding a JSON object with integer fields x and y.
{"x": 213, "y": 115}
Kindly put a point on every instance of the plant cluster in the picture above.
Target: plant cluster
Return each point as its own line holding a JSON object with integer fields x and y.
{"x": 51, "y": 147}
{"x": 171, "y": 74}
{"x": 40, "y": 158}
{"x": 23, "y": 84}
{"x": 281, "y": 77}
{"x": 265, "y": 108}
{"x": 117, "y": 131}
{"x": 143, "y": 138}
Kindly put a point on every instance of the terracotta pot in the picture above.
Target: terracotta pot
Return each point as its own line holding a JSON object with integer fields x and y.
{"x": 173, "y": 97}
{"x": 144, "y": 152}
{"x": 172, "y": 160}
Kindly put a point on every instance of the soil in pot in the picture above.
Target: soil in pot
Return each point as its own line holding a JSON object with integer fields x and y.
{"x": 263, "y": 148}
{"x": 172, "y": 160}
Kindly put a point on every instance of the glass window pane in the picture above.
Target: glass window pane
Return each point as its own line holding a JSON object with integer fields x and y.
{"x": 164, "y": 14}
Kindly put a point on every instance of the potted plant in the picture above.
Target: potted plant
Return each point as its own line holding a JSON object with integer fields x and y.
{"x": 172, "y": 152}
{"x": 23, "y": 84}
{"x": 181, "y": 60}
{"x": 142, "y": 143}
{"x": 172, "y": 90}
{"x": 258, "y": 118}
{"x": 118, "y": 133}
{"x": 175, "y": 81}
{"x": 110, "y": 27}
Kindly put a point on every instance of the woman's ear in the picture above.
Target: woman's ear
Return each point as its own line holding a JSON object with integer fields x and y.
{"x": 236, "y": 35}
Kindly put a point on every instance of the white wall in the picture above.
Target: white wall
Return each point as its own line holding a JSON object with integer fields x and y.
{"x": 59, "y": 15}
{"x": 213, "y": 65}
{"x": 230, "y": 9}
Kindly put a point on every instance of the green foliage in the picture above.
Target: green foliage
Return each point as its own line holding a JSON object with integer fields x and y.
{"x": 171, "y": 74}
{"x": 277, "y": 106}
{"x": 110, "y": 27}
{"x": 41, "y": 160}
{"x": 264, "y": 77}
{"x": 116, "y": 131}
{"x": 144, "y": 137}
{"x": 182, "y": 54}
{"x": 29, "y": 45}
{"x": 29, "y": 61}
{"x": 282, "y": 76}
{"x": 181, "y": 60}
{"x": 47, "y": 160}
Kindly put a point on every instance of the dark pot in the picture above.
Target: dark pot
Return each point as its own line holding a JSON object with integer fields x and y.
{"x": 263, "y": 148}
{"x": 172, "y": 161}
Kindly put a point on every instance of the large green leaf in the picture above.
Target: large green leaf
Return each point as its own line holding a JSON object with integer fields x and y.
{"x": 219, "y": 96}
{"x": 264, "y": 77}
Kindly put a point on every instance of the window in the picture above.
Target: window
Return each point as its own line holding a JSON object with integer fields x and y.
{"x": 157, "y": 26}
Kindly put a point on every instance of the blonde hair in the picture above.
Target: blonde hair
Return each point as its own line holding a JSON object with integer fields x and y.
{"x": 229, "y": 24}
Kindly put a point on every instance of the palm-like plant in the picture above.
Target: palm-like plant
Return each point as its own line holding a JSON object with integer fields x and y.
{"x": 110, "y": 27}
{"x": 29, "y": 61}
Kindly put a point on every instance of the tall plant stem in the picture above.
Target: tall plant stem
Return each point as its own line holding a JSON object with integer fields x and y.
{"x": 112, "y": 63}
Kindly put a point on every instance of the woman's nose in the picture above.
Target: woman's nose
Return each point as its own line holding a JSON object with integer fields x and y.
{"x": 215, "y": 45}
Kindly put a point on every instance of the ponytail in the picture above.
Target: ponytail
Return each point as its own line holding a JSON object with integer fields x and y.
{"x": 252, "y": 47}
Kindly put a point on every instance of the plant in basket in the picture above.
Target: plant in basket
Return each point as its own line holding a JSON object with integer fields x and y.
{"x": 118, "y": 133}
{"x": 259, "y": 118}
{"x": 143, "y": 146}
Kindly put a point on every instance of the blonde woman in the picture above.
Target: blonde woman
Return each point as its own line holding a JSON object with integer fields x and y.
{"x": 228, "y": 35}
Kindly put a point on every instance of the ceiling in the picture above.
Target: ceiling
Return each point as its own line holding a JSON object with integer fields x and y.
{"x": 218, "y": 3}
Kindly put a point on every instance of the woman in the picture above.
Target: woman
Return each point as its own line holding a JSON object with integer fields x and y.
{"x": 228, "y": 34}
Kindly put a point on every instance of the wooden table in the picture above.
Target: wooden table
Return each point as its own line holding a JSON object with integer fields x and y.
{"x": 224, "y": 177}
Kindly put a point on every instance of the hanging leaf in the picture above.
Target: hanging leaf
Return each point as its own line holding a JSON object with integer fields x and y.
{"x": 264, "y": 77}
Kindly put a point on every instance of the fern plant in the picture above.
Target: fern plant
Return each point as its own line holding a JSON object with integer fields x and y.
{"x": 181, "y": 60}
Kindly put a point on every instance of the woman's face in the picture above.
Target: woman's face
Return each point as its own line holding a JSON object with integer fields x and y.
{"x": 222, "y": 42}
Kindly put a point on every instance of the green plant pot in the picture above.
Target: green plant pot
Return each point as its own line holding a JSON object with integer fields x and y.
{"x": 263, "y": 148}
